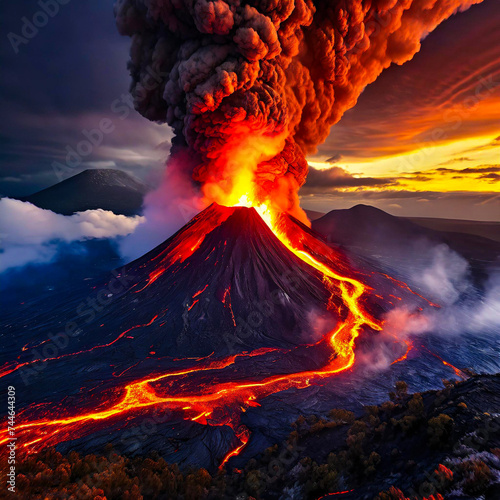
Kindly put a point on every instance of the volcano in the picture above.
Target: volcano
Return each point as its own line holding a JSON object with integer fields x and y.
{"x": 229, "y": 311}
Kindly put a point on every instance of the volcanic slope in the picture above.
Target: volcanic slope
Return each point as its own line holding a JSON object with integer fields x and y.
{"x": 219, "y": 316}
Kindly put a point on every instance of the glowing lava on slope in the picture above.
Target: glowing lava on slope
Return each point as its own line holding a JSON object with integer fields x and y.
{"x": 208, "y": 392}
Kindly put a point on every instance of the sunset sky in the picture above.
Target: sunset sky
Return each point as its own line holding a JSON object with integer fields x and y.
{"x": 423, "y": 140}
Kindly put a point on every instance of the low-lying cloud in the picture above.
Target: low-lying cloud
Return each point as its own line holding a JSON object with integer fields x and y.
{"x": 32, "y": 235}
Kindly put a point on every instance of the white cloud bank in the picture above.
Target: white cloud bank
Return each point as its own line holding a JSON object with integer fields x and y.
{"x": 29, "y": 234}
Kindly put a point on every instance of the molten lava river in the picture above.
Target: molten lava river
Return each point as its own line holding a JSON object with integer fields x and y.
{"x": 209, "y": 390}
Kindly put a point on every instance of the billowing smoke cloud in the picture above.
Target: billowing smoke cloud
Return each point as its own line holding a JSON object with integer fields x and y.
{"x": 250, "y": 88}
{"x": 465, "y": 307}
{"x": 32, "y": 235}
{"x": 446, "y": 277}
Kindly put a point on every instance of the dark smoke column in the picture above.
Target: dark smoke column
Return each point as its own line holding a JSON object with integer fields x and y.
{"x": 250, "y": 87}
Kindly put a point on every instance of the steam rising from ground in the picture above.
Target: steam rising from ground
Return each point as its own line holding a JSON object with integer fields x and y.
{"x": 445, "y": 277}
{"x": 465, "y": 308}
{"x": 250, "y": 88}
{"x": 32, "y": 235}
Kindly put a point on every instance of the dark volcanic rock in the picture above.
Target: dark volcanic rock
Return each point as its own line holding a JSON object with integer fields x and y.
{"x": 398, "y": 444}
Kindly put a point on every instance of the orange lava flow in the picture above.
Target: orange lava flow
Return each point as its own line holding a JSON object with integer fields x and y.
{"x": 244, "y": 437}
{"x": 335, "y": 493}
{"x": 459, "y": 373}
{"x": 226, "y": 300}
{"x": 10, "y": 367}
{"x": 404, "y": 286}
{"x": 200, "y": 404}
{"x": 409, "y": 347}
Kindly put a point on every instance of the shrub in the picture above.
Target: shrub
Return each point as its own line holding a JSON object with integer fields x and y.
{"x": 318, "y": 426}
{"x": 371, "y": 410}
{"x": 416, "y": 405}
{"x": 440, "y": 430}
{"x": 255, "y": 482}
{"x": 321, "y": 479}
{"x": 357, "y": 427}
{"x": 406, "y": 424}
{"x": 401, "y": 391}
{"x": 371, "y": 463}
{"x": 387, "y": 407}
{"x": 478, "y": 477}
{"x": 342, "y": 416}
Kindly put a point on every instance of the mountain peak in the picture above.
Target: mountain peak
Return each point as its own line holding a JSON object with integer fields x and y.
{"x": 109, "y": 176}
{"x": 108, "y": 189}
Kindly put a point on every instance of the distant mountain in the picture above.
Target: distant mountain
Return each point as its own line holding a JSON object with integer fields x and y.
{"x": 486, "y": 229}
{"x": 371, "y": 232}
{"x": 364, "y": 223}
{"x": 313, "y": 214}
{"x": 108, "y": 189}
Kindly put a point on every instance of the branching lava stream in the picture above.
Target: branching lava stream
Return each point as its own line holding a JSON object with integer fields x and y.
{"x": 234, "y": 396}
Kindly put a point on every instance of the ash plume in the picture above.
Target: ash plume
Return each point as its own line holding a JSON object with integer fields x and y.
{"x": 250, "y": 88}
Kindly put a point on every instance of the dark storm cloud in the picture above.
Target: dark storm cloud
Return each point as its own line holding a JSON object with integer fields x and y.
{"x": 420, "y": 178}
{"x": 471, "y": 170}
{"x": 452, "y": 161}
{"x": 74, "y": 63}
{"x": 334, "y": 158}
{"x": 490, "y": 177}
{"x": 63, "y": 80}
{"x": 335, "y": 177}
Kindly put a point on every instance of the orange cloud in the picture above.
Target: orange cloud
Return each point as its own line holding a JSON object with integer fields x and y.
{"x": 449, "y": 91}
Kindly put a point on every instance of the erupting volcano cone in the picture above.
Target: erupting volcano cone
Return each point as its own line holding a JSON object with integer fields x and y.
{"x": 229, "y": 285}
{"x": 222, "y": 314}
